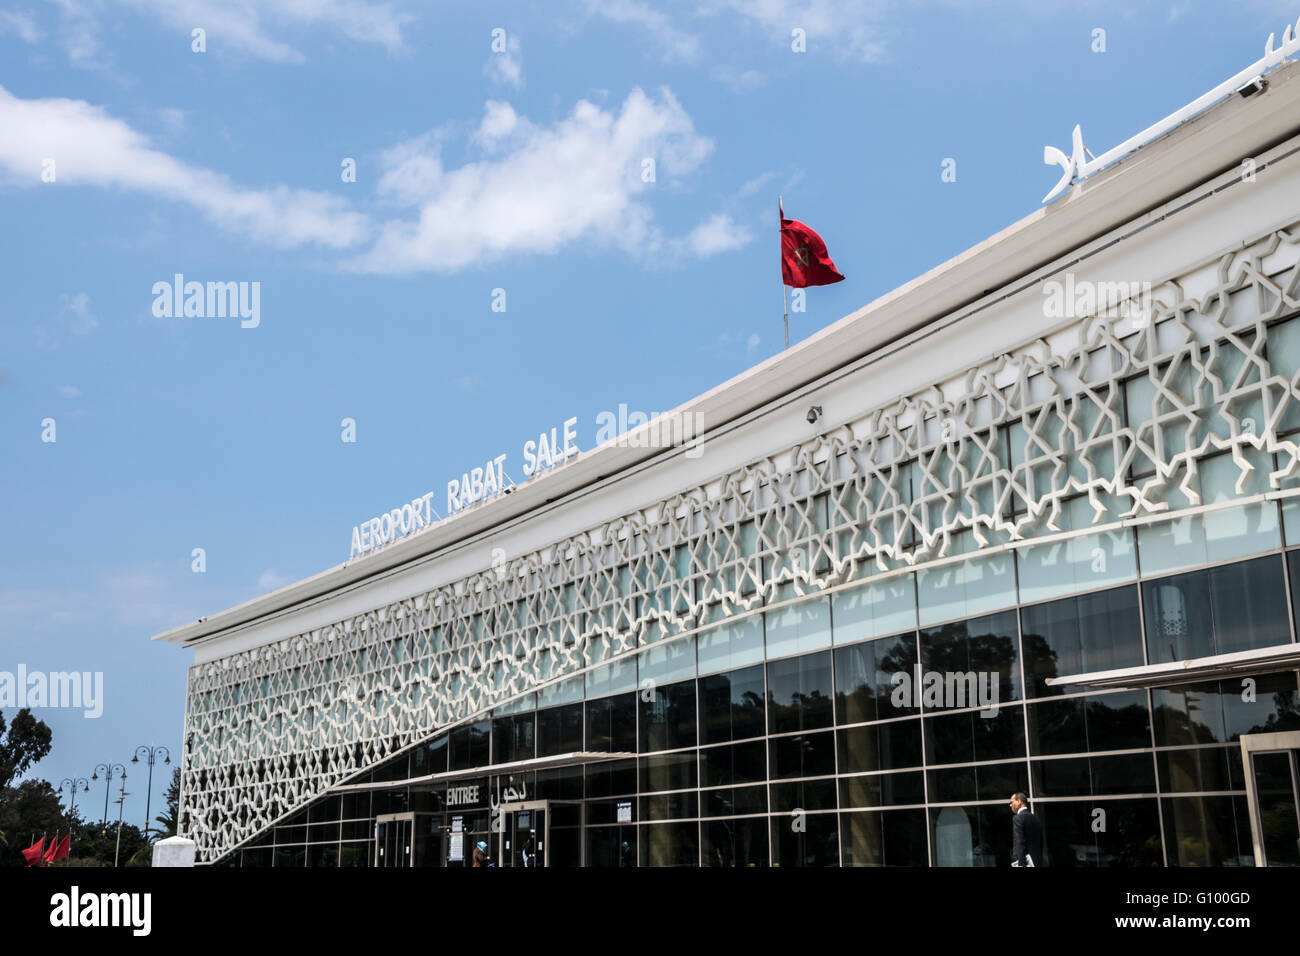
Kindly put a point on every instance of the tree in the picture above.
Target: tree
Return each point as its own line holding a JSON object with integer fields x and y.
{"x": 169, "y": 818}
{"x": 29, "y": 811}
{"x": 27, "y": 741}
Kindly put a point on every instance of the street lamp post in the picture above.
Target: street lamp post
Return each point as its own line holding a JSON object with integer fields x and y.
{"x": 151, "y": 754}
{"x": 70, "y": 782}
{"x": 109, "y": 769}
{"x": 120, "y": 801}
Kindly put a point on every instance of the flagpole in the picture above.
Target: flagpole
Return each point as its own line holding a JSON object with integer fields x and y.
{"x": 785, "y": 308}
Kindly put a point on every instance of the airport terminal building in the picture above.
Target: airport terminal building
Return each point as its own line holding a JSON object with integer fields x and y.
{"x": 1030, "y": 522}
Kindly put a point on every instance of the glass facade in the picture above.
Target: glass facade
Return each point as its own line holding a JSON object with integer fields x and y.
{"x": 863, "y": 626}
{"x": 863, "y": 728}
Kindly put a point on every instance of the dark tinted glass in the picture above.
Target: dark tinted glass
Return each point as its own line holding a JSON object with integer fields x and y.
{"x": 429, "y": 757}
{"x": 882, "y": 790}
{"x": 805, "y": 840}
{"x": 731, "y": 705}
{"x": 887, "y": 746}
{"x": 469, "y": 745}
{"x": 734, "y": 801}
{"x": 799, "y": 693}
{"x": 737, "y": 763}
{"x": 1130, "y": 836}
{"x": 668, "y": 771}
{"x": 1079, "y": 635}
{"x": 803, "y": 755}
{"x": 667, "y": 717}
{"x": 967, "y": 737}
{"x": 983, "y": 646}
{"x": 1117, "y": 721}
{"x": 885, "y": 838}
{"x": 670, "y": 844}
{"x": 611, "y": 724}
{"x": 734, "y": 842}
{"x": 1235, "y": 607}
{"x": 1207, "y": 831}
{"x": 1221, "y": 711}
{"x": 513, "y": 738}
{"x": 863, "y": 672}
{"x": 559, "y": 730}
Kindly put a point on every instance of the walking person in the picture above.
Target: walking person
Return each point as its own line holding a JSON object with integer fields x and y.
{"x": 530, "y": 849}
{"x": 1026, "y": 834}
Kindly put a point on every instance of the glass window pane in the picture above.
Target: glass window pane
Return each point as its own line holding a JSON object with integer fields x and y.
{"x": 667, "y": 717}
{"x": 1080, "y": 635}
{"x": 889, "y": 746}
{"x": 731, "y": 645}
{"x": 798, "y": 628}
{"x": 865, "y": 681}
{"x": 799, "y": 693}
{"x": 732, "y": 705}
{"x": 885, "y": 838}
{"x": 974, "y": 586}
{"x": 813, "y": 843}
{"x": 884, "y": 607}
{"x": 987, "y": 648}
{"x": 1208, "y": 831}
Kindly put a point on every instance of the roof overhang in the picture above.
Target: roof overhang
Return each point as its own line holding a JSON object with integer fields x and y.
{"x": 575, "y": 759}
{"x": 1260, "y": 660}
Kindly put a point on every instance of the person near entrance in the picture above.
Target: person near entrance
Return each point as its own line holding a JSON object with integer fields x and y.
{"x": 481, "y": 857}
{"x": 530, "y": 849}
{"x": 1026, "y": 834}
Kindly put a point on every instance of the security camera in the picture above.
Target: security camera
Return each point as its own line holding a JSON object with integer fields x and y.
{"x": 1257, "y": 85}
{"x": 814, "y": 413}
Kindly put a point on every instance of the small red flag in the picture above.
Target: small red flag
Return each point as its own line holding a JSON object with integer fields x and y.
{"x": 804, "y": 259}
{"x": 59, "y": 849}
{"x": 33, "y": 853}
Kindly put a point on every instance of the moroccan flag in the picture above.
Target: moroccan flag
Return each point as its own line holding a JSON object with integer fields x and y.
{"x": 33, "y": 853}
{"x": 804, "y": 259}
{"x": 59, "y": 849}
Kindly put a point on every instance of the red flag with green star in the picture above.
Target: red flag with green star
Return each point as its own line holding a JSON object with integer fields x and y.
{"x": 804, "y": 259}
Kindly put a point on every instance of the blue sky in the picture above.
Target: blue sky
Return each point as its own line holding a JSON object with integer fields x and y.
{"x": 519, "y": 170}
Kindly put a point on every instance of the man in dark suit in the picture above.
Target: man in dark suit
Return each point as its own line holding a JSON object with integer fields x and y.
{"x": 1026, "y": 834}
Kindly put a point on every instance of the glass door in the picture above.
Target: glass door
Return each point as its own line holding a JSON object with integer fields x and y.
{"x": 523, "y": 837}
{"x": 393, "y": 839}
{"x": 1272, "y": 764}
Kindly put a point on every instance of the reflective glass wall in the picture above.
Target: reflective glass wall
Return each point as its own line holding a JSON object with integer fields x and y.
{"x": 885, "y": 724}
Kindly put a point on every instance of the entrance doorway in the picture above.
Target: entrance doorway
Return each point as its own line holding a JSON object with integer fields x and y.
{"x": 393, "y": 839}
{"x": 540, "y": 833}
{"x": 1272, "y": 763}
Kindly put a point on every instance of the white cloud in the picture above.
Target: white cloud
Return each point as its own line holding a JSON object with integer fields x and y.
{"x": 673, "y": 42}
{"x": 69, "y": 391}
{"x": 507, "y": 66}
{"x": 79, "y": 33}
{"x": 73, "y": 318}
{"x": 538, "y": 189}
{"x": 81, "y": 321}
{"x": 252, "y": 27}
{"x": 717, "y": 234}
{"x": 21, "y": 25}
{"x": 849, "y": 28}
{"x": 89, "y": 147}
{"x": 752, "y": 342}
{"x": 751, "y": 186}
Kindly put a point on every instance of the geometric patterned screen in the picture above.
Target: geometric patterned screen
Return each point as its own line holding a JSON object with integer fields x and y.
{"x": 1104, "y": 418}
